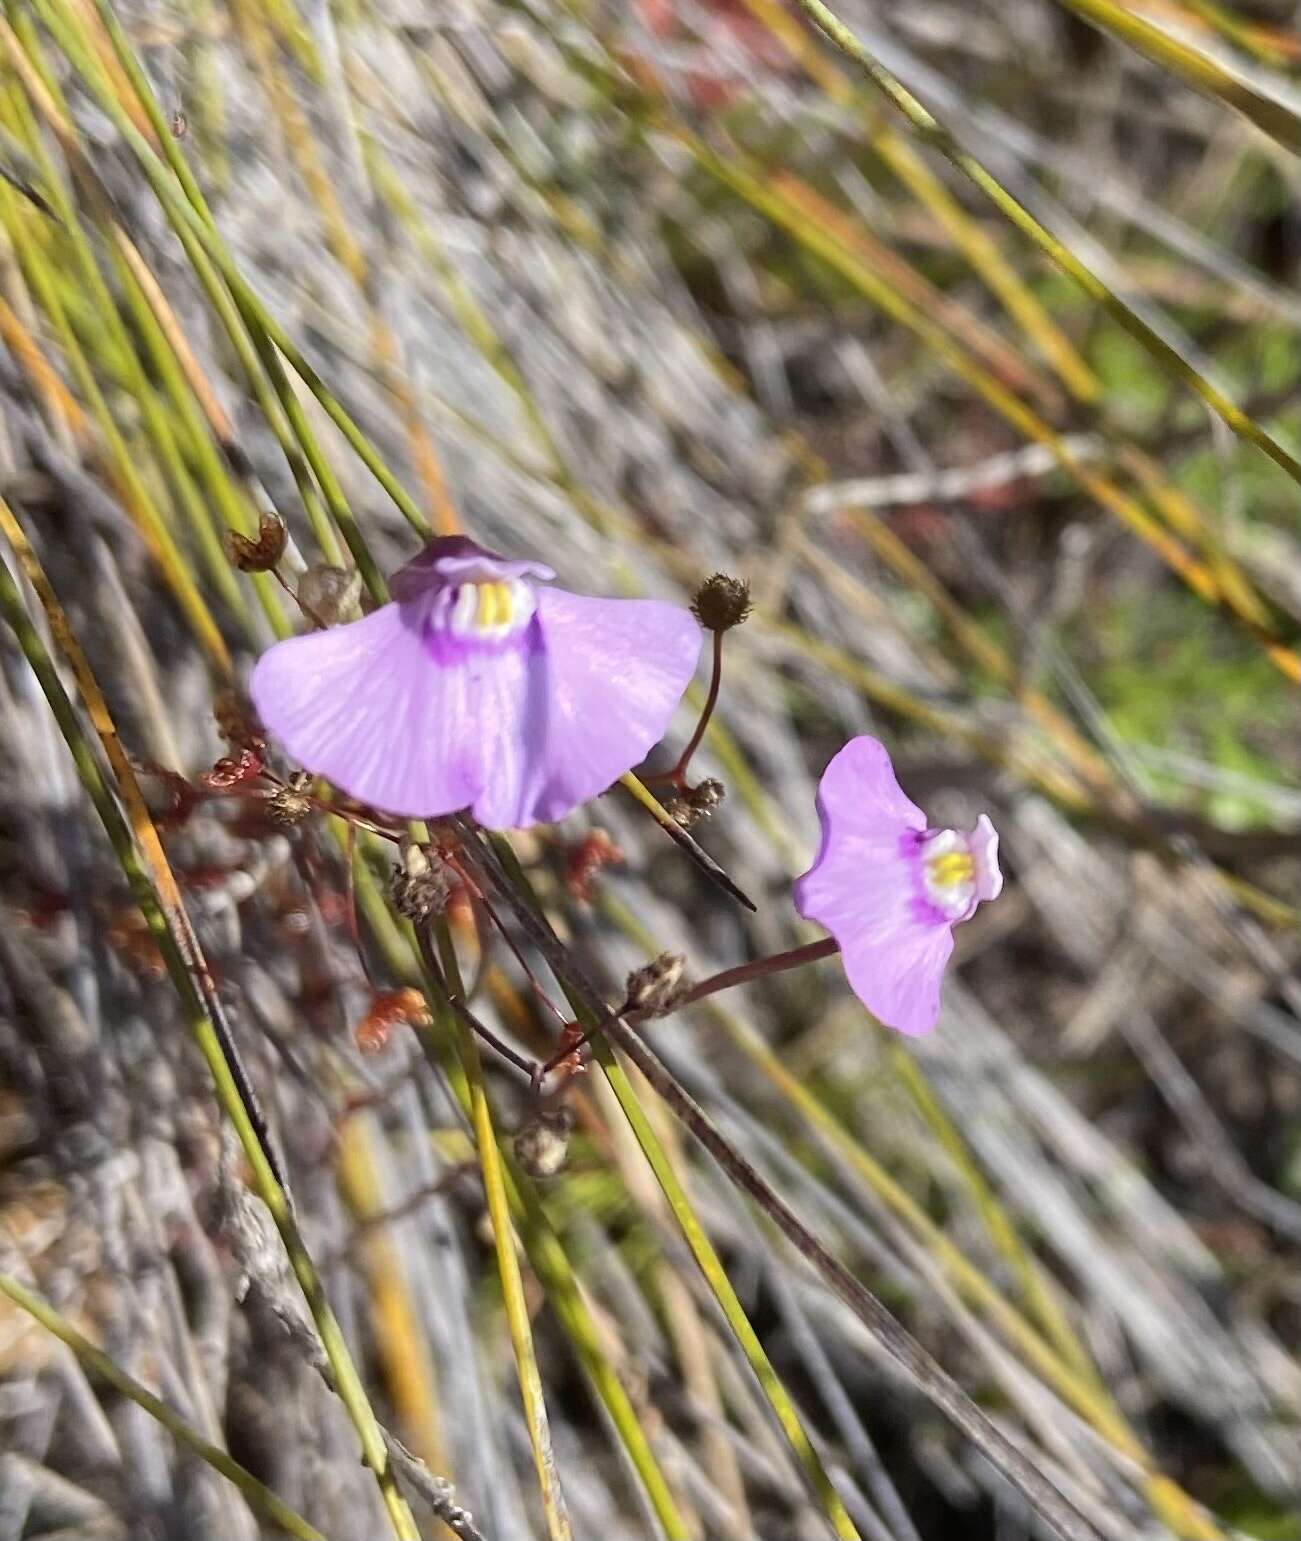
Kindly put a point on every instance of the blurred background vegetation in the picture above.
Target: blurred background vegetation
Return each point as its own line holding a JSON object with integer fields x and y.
{"x": 970, "y": 336}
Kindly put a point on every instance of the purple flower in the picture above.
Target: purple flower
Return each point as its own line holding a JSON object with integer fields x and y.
{"x": 477, "y": 688}
{"x": 890, "y": 888}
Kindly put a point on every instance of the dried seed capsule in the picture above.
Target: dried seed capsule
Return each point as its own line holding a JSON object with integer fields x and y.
{"x": 721, "y": 602}
{"x": 419, "y": 888}
{"x": 330, "y": 594}
{"x": 290, "y": 804}
{"x": 656, "y": 988}
{"x": 263, "y": 552}
{"x": 542, "y": 1143}
{"x": 695, "y": 803}
{"x": 704, "y": 797}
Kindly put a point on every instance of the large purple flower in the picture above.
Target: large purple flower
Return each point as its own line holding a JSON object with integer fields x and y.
{"x": 890, "y": 888}
{"x": 476, "y": 688}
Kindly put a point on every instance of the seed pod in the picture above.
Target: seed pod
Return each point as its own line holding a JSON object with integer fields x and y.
{"x": 656, "y": 988}
{"x": 705, "y": 796}
{"x": 542, "y": 1143}
{"x": 290, "y": 804}
{"x": 330, "y": 594}
{"x": 696, "y": 803}
{"x": 263, "y": 552}
{"x": 419, "y": 888}
{"x": 721, "y": 602}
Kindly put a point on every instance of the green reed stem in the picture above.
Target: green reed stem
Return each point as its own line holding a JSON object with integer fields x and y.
{"x": 260, "y": 1497}
{"x": 491, "y": 1166}
{"x": 333, "y": 408}
{"x": 153, "y": 886}
{"x": 693, "y": 1232}
{"x": 942, "y": 139}
{"x": 545, "y": 1249}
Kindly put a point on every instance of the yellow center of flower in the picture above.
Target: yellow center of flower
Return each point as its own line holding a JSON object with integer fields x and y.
{"x": 486, "y": 610}
{"x": 951, "y": 869}
{"x": 496, "y": 606}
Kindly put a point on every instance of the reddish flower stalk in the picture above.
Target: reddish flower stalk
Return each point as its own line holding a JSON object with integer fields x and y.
{"x": 677, "y": 776}
{"x": 776, "y": 963}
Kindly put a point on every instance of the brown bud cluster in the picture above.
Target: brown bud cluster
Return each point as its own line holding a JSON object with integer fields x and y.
{"x": 233, "y": 771}
{"x": 584, "y": 861}
{"x": 419, "y": 888}
{"x": 542, "y": 1143}
{"x": 692, "y": 804}
{"x": 290, "y": 804}
{"x": 657, "y": 987}
{"x": 263, "y": 551}
{"x": 721, "y": 602}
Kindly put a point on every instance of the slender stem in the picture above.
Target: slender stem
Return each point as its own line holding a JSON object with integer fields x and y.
{"x": 457, "y": 1005}
{"x": 743, "y": 973}
{"x": 699, "y": 857}
{"x": 777, "y": 963}
{"x": 260, "y": 1497}
{"x": 679, "y": 772}
{"x": 923, "y": 1371}
{"x": 481, "y": 898}
{"x": 541, "y": 1072}
{"x": 444, "y": 988}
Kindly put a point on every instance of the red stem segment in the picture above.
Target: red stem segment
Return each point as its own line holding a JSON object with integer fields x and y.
{"x": 711, "y": 701}
{"x": 743, "y": 973}
{"x": 678, "y": 774}
{"x": 777, "y": 963}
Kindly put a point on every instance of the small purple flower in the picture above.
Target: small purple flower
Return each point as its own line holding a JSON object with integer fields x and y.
{"x": 476, "y": 688}
{"x": 890, "y": 888}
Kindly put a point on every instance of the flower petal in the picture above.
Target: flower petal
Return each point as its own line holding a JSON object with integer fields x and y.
{"x": 864, "y": 889}
{"x": 613, "y": 672}
{"x": 368, "y": 707}
{"x": 859, "y": 792}
{"x": 898, "y": 978}
{"x": 521, "y": 732}
{"x": 450, "y": 559}
{"x": 984, "y": 850}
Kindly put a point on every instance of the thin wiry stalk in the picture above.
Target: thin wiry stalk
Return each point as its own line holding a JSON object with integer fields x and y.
{"x": 920, "y": 1368}
{"x": 1050, "y": 1347}
{"x": 442, "y": 976}
{"x": 144, "y": 863}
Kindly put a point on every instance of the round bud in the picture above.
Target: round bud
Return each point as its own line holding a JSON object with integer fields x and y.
{"x": 721, "y": 602}
{"x": 419, "y": 888}
{"x": 542, "y": 1143}
{"x": 656, "y": 987}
